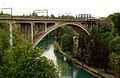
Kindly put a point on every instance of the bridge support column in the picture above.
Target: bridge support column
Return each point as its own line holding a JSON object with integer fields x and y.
{"x": 97, "y": 24}
{"x": 45, "y": 27}
{"x": 89, "y": 27}
{"x": 31, "y": 32}
{"x": 11, "y": 37}
{"x": 27, "y": 31}
{"x": 22, "y": 29}
{"x": 85, "y": 26}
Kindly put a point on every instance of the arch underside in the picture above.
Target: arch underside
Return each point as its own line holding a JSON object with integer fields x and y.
{"x": 78, "y": 27}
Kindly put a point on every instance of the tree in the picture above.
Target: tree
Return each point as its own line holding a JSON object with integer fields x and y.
{"x": 52, "y": 16}
{"x": 116, "y": 18}
{"x": 115, "y": 44}
{"x": 34, "y": 14}
{"x": 82, "y": 48}
{"x": 115, "y": 63}
{"x": 1, "y": 13}
{"x": 67, "y": 29}
{"x": 66, "y": 42}
{"x": 27, "y": 62}
{"x": 105, "y": 24}
{"x": 99, "y": 50}
{"x": 21, "y": 60}
{"x": 4, "y": 45}
{"x": 65, "y": 37}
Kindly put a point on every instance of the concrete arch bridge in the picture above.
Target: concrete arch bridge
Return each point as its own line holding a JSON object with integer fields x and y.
{"x": 36, "y": 29}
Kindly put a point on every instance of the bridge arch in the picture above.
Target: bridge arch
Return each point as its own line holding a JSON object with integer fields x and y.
{"x": 75, "y": 26}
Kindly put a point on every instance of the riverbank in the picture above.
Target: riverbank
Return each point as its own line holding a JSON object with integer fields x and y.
{"x": 87, "y": 68}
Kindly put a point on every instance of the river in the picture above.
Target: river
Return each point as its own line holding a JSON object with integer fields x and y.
{"x": 66, "y": 69}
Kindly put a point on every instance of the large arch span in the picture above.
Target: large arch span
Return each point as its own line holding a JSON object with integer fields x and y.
{"x": 78, "y": 27}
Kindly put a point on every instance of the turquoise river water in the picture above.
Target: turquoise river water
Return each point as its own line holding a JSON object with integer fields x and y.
{"x": 66, "y": 69}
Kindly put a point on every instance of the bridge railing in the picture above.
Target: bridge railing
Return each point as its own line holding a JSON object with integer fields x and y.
{"x": 7, "y": 16}
{"x": 38, "y": 19}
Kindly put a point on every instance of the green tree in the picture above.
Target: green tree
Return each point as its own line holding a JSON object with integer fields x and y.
{"x": 66, "y": 42}
{"x": 105, "y": 24}
{"x": 21, "y": 60}
{"x": 4, "y": 45}
{"x": 61, "y": 31}
{"x": 115, "y": 63}
{"x": 52, "y": 16}
{"x": 115, "y": 44}
{"x": 27, "y": 62}
{"x": 99, "y": 50}
{"x": 82, "y": 48}
{"x": 24, "y": 61}
{"x": 116, "y": 20}
{"x": 34, "y": 14}
{"x": 67, "y": 29}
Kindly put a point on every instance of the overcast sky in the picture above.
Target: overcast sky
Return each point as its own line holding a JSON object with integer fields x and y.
{"x": 94, "y": 7}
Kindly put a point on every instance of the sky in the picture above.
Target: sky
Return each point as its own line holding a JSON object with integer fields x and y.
{"x": 97, "y": 8}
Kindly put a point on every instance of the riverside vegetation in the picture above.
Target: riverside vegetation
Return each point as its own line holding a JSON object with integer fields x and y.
{"x": 100, "y": 50}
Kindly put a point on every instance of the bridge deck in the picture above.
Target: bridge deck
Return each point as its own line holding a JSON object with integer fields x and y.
{"x": 36, "y": 19}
